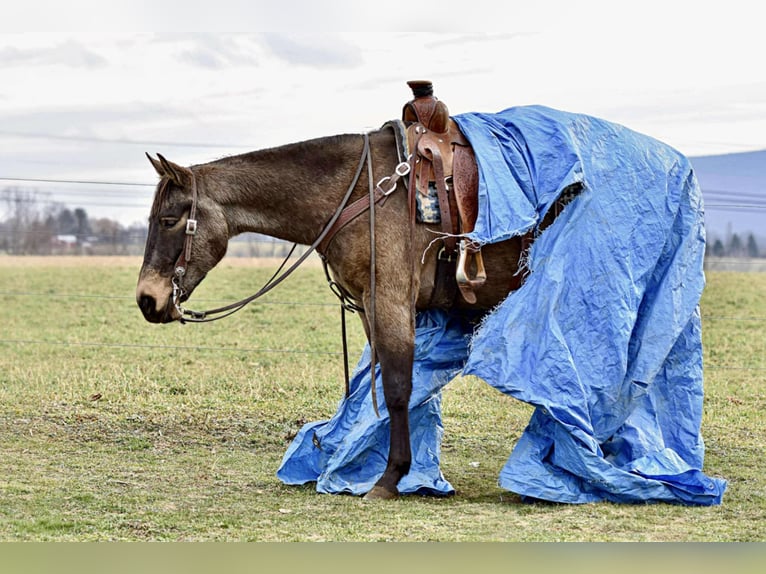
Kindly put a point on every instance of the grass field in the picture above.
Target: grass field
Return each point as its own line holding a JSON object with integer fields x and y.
{"x": 115, "y": 429}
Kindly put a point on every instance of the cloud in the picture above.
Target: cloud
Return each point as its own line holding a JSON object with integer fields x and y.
{"x": 218, "y": 52}
{"x": 68, "y": 53}
{"x": 324, "y": 52}
{"x": 90, "y": 119}
{"x": 462, "y": 40}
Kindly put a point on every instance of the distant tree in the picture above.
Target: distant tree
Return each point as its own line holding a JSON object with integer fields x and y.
{"x": 37, "y": 238}
{"x": 752, "y": 246}
{"x": 30, "y": 222}
{"x": 735, "y": 246}
{"x": 83, "y": 225}
{"x": 23, "y": 221}
{"x": 136, "y": 235}
{"x": 718, "y": 248}
{"x": 109, "y": 232}
{"x": 66, "y": 224}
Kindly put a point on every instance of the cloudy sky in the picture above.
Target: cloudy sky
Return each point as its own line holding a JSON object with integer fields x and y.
{"x": 86, "y": 87}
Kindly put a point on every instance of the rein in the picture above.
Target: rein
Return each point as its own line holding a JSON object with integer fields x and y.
{"x": 343, "y": 215}
{"x": 191, "y": 316}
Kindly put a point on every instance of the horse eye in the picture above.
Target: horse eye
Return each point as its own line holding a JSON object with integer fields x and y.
{"x": 168, "y": 222}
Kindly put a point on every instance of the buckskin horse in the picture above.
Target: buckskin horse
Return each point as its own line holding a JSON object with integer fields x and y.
{"x": 352, "y": 198}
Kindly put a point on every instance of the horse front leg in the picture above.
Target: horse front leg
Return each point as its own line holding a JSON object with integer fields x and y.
{"x": 395, "y": 350}
{"x": 396, "y": 371}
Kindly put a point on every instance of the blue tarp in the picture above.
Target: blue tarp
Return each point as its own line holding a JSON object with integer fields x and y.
{"x": 349, "y": 452}
{"x": 603, "y": 338}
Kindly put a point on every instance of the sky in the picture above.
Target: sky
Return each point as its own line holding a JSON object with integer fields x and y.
{"x": 86, "y": 88}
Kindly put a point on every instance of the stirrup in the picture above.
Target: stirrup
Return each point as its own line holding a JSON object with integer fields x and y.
{"x": 464, "y": 282}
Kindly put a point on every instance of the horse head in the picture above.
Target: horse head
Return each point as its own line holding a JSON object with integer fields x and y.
{"x": 179, "y": 253}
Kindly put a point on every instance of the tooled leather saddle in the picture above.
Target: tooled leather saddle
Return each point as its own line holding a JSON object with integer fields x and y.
{"x": 443, "y": 175}
{"x": 445, "y": 169}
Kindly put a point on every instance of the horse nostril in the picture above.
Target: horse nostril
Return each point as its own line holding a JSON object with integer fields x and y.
{"x": 147, "y": 304}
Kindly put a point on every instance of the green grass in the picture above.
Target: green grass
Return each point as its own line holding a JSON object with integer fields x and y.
{"x": 115, "y": 429}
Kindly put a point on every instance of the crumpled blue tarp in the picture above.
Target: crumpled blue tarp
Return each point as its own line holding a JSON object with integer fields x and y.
{"x": 603, "y": 338}
{"x": 349, "y": 452}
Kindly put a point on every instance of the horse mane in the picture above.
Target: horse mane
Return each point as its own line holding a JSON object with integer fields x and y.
{"x": 295, "y": 148}
{"x": 240, "y": 163}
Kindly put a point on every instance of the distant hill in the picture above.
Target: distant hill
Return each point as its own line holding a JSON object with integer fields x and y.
{"x": 734, "y": 190}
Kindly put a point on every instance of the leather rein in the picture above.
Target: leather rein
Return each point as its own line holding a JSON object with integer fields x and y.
{"x": 191, "y": 316}
{"x": 343, "y": 214}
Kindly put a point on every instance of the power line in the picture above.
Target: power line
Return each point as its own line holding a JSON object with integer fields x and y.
{"x": 141, "y": 233}
{"x": 127, "y": 141}
{"x": 705, "y": 192}
{"x": 729, "y": 144}
{"x": 120, "y": 141}
{"x": 167, "y": 347}
{"x": 248, "y": 350}
{"x": 736, "y": 202}
{"x": 285, "y": 303}
{"x": 78, "y": 181}
{"x": 733, "y": 368}
{"x": 734, "y": 206}
{"x": 725, "y": 318}
{"x": 144, "y": 203}
{"x": 48, "y": 192}
{"x": 731, "y": 192}
{"x": 107, "y": 236}
{"x": 133, "y": 299}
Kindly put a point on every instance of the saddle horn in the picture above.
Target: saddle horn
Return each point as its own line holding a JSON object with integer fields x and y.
{"x": 426, "y": 108}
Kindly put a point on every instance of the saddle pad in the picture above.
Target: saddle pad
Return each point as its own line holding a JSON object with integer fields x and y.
{"x": 428, "y": 205}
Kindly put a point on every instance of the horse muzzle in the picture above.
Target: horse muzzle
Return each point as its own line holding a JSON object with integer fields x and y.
{"x": 154, "y": 297}
{"x": 148, "y": 306}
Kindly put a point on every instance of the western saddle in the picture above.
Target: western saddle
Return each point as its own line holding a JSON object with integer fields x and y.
{"x": 443, "y": 187}
{"x": 445, "y": 164}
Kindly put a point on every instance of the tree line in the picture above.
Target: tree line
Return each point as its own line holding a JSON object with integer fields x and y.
{"x": 735, "y": 246}
{"x": 31, "y": 225}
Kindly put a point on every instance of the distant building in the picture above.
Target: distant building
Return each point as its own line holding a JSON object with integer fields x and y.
{"x": 63, "y": 244}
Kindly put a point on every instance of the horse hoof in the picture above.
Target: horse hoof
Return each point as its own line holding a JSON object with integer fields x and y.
{"x": 380, "y": 493}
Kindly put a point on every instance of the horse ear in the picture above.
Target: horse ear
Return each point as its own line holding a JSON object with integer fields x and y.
{"x": 157, "y": 165}
{"x": 181, "y": 176}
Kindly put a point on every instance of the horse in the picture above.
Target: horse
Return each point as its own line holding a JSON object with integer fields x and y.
{"x": 384, "y": 265}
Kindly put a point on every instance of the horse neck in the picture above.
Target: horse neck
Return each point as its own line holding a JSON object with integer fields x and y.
{"x": 289, "y": 192}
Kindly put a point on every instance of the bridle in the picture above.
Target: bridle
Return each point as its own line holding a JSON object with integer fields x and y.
{"x": 343, "y": 214}
{"x": 191, "y": 316}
